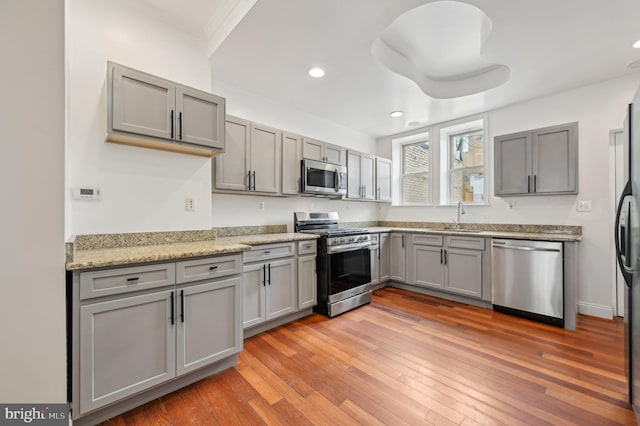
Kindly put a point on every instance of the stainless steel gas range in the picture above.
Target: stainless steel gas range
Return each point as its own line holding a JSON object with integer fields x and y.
{"x": 343, "y": 262}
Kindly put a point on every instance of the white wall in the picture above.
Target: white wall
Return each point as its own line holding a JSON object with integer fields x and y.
{"x": 598, "y": 109}
{"x": 230, "y": 210}
{"x": 143, "y": 189}
{"x": 33, "y": 354}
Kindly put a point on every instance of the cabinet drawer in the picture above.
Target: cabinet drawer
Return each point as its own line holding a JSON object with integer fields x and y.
{"x": 125, "y": 280}
{"x": 206, "y": 269}
{"x": 307, "y": 247}
{"x": 269, "y": 251}
{"x": 427, "y": 240}
{"x": 465, "y": 242}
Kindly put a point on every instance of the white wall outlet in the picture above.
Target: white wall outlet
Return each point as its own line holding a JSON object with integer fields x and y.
{"x": 261, "y": 205}
{"x": 584, "y": 206}
{"x": 511, "y": 205}
{"x": 190, "y": 204}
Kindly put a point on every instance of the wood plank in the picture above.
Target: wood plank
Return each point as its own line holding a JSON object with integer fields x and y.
{"x": 409, "y": 358}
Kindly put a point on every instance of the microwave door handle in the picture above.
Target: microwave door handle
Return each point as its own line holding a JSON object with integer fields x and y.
{"x": 336, "y": 181}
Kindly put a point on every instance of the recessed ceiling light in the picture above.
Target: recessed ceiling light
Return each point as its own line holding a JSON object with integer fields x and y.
{"x": 316, "y": 72}
{"x": 395, "y": 114}
{"x": 637, "y": 44}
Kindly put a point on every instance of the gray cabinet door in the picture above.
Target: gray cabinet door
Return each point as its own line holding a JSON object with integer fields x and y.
{"x": 253, "y": 294}
{"x": 142, "y": 104}
{"x": 126, "y": 346}
{"x": 209, "y": 318}
{"x": 291, "y": 166}
{"x": 385, "y": 257}
{"x": 312, "y": 149}
{"x": 368, "y": 177}
{"x": 554, "y": 152}
{"x": 428, "y": 264}
{"x": 398, "y": 262}
{"x": 232, "y": 168}
{"x": 464, "y": 272}
{"x": 335, "y": 154}
{"x": 265, "y": 158}
{"x": 375, "y": 265}
{"x": 512, "y": 164}
{"x": 354, "y": 182}
{"x": 281, "y": 288}
{"x": 307, "y": 282}
{"x": 383, "y": 179}
{"x": 200, "y": 118}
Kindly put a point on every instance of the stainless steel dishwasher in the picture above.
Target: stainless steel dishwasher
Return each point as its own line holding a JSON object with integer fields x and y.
{"x": 527, "y": 279}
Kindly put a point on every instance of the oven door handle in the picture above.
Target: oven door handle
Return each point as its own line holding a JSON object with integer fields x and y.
{"x": 348, "y": 247}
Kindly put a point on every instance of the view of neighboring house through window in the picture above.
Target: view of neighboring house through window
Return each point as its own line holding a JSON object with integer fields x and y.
{"x": 466, "y": 167}
{"x": 415, "y": 173}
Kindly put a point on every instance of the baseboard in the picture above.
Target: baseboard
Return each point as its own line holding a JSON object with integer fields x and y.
{"x": 594, "y": 310}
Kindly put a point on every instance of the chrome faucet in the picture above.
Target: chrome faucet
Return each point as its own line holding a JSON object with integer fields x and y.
{"x": 460, "y": 211}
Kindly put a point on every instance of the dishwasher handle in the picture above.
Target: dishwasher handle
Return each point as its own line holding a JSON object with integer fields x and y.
{"x": 523, "y": 248}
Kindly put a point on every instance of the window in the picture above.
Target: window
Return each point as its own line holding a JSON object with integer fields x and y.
{"x": 415, "y": 173}
{"x": 466, "y": 167}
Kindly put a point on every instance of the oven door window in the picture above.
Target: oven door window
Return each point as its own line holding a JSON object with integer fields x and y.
{"x": 349, "y": 269}
{"x": 321, "y": 178}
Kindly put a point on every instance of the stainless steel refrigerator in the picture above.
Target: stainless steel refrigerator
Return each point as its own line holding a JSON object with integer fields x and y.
{"x": 627, "y": 238}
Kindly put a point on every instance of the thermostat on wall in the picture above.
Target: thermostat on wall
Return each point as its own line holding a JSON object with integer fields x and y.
{"x": 86, "y": 193}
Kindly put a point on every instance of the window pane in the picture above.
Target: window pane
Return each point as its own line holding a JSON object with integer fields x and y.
{"x": 415, "y": 158}
{"x": 416, "y": 189}
{"x": 467, "y": 150}
{"x": 467, "y": 185}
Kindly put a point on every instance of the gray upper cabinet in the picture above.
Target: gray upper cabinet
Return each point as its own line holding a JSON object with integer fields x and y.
{"x": 251, "y": 161}
{"x": 291, "y": 157}
{"x": 383, "y": 180}
{"x": 537, "y": 162}
{"x": 322, "y": 151}
{"x": 361, "y": 183}
{"x": 232, "y": 169}
{"x": 148, "y": 111}
{"x": 200, "y": 118}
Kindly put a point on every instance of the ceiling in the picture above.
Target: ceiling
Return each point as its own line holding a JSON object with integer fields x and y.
{"x": 267, "y": 46}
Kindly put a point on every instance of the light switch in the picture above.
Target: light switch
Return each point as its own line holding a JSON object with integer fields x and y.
{"x": 584, "y": 206}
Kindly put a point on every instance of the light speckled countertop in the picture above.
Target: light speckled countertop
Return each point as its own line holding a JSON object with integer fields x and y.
{"x": 122, "y": 256}
{"x": 545, "y": 235}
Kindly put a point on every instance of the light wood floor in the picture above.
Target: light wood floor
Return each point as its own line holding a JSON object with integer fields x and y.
{"x": 412, "y": 359}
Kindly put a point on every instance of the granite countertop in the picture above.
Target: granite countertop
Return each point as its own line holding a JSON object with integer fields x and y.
{"x": 101, "y": 257}
{"x": 542, "y": 235}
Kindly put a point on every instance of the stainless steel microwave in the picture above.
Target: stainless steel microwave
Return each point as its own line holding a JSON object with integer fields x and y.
{"x": 323, "y": 179}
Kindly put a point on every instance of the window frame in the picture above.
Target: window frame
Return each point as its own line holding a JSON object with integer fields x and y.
{"x": 452, "y": 169}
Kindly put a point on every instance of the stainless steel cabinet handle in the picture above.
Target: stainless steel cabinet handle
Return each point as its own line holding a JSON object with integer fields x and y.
{"x": 267, "y": 251}
{"x": 249, "y": 180}
{"x": 441, "y": 256}
{"x": 172, "y": 321}
{"x": 171, "y": 124}
{"x": 264, "y": 275}
{"x": 402, "y": 240}
{"x": 534, "y": 183}
{"x": 378, "y": 193}
{"x": 445, "y": 256}
{"x": 528, "y": 183}
{"x": 269, "y": 269}
{"x": 524, "y": 248}
{"x": 180, "y": 125}
{"x": 254, "y": 180}
{"x": 132, "y": 279}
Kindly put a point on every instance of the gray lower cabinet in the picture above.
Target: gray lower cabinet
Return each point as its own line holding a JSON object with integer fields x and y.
{"x": 374, "y": 251}
{"x": 269, "y": 283}
{"x": 450, "y": 263}
{"x": 385, "y": 257}
{"x": 126, "y": 346}
{"x": 537, "y": 162}
{"x": 397, "y": 248}
{"x": 149, "y": 111}
{"x": 135, "y": 328}
{"x": 207, "y": 330}
{"x": 307, "y": 276}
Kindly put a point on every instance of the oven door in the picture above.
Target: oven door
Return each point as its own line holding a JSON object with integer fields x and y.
{"x": 349, "y": 274}
{"x": 324, "y": 179}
